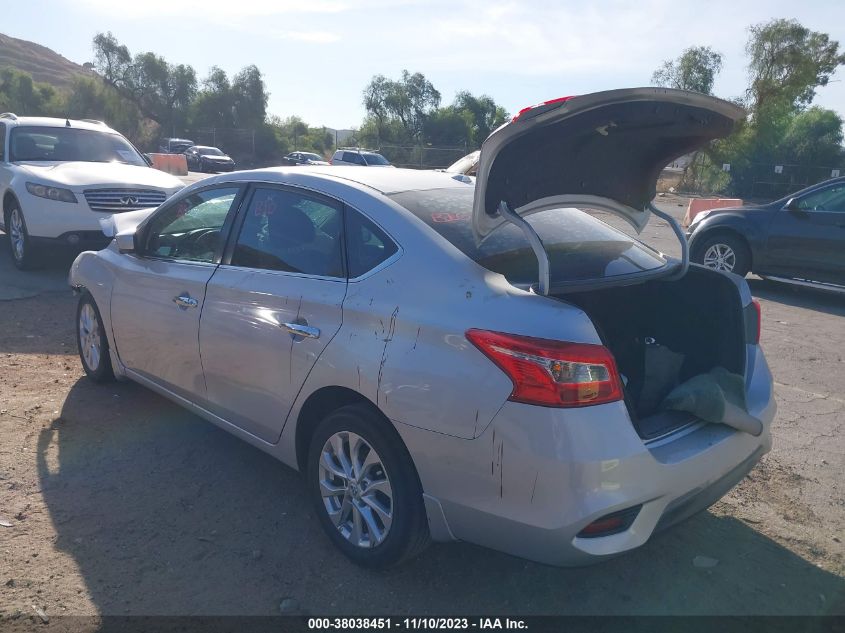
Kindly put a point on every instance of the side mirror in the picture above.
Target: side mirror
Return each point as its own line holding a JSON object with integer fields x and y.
{"x": 792, "y": 205}
{"x": 125, "y": 242}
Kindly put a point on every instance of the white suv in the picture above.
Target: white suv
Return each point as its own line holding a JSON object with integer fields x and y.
{"x": 359, "y": 156}
{"x": 58, "y": 177}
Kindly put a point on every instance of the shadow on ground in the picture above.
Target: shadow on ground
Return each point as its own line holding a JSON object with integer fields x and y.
{"x": 798, "y": 296}
{"x": 165, "y": 514}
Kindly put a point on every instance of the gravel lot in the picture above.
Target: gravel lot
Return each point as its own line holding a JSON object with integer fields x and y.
{"x": 120, "y": 502}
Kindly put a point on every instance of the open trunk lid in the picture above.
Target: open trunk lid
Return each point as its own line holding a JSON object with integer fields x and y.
{"x": 603, "y": 150}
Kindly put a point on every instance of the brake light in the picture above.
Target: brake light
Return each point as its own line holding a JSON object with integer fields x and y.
{"x": 540, "y": 105}
{"x": 754, "y": 327}
{"x": 552, "y": 373}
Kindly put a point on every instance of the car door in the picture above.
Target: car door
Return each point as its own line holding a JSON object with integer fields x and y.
{"x": 158, "y": 292}
{"x": 807, "y": 236}
{"x": 272, "y": 306}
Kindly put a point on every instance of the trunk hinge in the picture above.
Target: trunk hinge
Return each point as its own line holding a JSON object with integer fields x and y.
{"x": 536, "y": 244}
{"x": 681, "y": 238}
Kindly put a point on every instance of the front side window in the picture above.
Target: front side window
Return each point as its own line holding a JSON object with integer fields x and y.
{"x": 580, "y": 247}
{"x": 291, "y": 232}
{"x": 61, "y": 144}
{"x": 190, "y": 228}
{"x": 830, "y": 199}
{"x": 367, "y": 245}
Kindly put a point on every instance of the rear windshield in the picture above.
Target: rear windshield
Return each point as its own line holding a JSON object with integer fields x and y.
{"x": 581, "y": 248}
{"x": 375, "y": 159}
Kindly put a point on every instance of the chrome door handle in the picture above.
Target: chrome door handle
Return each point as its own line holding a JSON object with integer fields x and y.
{"x": 185, "y": 301}
{"x": 298, "y": 329}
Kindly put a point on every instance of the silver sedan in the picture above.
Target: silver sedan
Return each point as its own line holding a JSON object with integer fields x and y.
{"x": 448, "y": 358}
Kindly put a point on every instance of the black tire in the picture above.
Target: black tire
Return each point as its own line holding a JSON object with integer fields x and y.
{"x": 25, "y": 256}
{"x": 102, "y": 371}
{"x": 408, "y": 533}
{"x": 736, "y": 245}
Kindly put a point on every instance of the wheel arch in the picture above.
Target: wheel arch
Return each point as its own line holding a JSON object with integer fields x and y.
{"x": 9, "y": 198}
{"x": 321, "y": 403}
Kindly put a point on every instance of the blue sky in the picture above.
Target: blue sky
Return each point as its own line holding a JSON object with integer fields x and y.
{"x": 317, "y": 55}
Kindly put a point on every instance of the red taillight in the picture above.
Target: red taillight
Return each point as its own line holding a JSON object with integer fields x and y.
{"x": 552, "y": 373}
{"x": 757, "y": 326}
{"x": 540, "y": 105}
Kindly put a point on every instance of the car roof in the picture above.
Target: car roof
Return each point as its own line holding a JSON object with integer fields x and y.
{"x": 43, "y": 121}
{"x": 386, "y": 181}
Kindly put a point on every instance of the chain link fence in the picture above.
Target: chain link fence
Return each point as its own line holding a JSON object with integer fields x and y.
{"x": 423, "y": 156}
{"x": 776, "y": 181}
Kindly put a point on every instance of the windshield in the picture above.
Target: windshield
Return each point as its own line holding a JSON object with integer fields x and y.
{"x": 580, "y": 247}
{"x": 466, "y": 165}
{"x": 375, "y": 159}
{"x": 312, "y": 156}
{"x": 47, "y": 144}
{"x": 210, "y": 151}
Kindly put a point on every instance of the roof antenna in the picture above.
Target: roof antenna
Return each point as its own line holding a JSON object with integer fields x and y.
{"x": 67, "y": 122}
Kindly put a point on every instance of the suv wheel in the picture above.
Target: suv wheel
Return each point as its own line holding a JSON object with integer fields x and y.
{"x": 365, "y": 489}
{"x": 724, "y": 252}
{"x": 20, "y": 244}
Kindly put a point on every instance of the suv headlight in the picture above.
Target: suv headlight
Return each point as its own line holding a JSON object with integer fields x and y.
{"x": 51, "y": 193}
{"x": 699, "y": 217}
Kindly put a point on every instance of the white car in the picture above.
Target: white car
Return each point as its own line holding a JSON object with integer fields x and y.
{"x": 59, "y": 177}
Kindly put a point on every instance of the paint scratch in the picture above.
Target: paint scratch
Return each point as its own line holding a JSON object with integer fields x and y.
{"x": 390, "y": 331}
{"x": 534, "y": 488}
{"x": 417, "y": 338}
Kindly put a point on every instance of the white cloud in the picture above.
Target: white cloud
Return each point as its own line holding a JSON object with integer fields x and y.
{"x": 317, "y": 37}
{"x": 202, "y": 9}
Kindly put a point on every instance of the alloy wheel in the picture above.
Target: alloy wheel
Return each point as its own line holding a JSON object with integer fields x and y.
{"x": 356, "y": 490}
{"x": 16, "y": 234}
{"x": 89, "y": 337}
{"x": 720, "y": 257}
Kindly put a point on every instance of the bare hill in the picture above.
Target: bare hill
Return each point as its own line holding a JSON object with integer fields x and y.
{"x": 43, "y": 64}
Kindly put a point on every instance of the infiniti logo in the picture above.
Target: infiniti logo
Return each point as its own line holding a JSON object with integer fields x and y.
{"x": 128, "y": 201}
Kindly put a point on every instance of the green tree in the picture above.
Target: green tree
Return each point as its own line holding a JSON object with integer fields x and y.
{"x": 249, "y": 97}
{"x": 695, "y": 69}
{"x": 482, "y": 114}
{"x": 787, "y": 62}
{"x": 162, "y": 91}
{"x": 409, "y": 100}
{"x": 814, "y": 137}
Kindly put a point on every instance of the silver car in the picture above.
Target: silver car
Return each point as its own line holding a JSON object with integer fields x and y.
{"x": 440, "y": 367}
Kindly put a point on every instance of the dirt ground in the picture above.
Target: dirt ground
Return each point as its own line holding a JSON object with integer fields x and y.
{"x": 115, "y": 501}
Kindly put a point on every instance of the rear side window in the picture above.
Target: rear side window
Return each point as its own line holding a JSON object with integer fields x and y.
{"x": 367, "y": 245}
{"x": 580, "y": 247}
{"x": 353, "y": 157}
{"x": 288, "y": 231}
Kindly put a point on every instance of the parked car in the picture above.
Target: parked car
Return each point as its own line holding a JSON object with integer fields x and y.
{"x": 59, "y": 177}
{"x": 204, "y": 158}
{"x": 306, "y": 158}
{"x": 800, "y": 237}
{"x": 388, "y": 333}
{"x": 468, "y": 165}
{"x": 174, "y": 145}
{"x": 358, "y": 156}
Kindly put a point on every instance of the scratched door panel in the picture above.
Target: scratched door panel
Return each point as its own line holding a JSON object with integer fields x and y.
{"x": 254, "y": 366}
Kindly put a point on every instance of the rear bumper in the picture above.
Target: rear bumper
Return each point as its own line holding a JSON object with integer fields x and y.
{"x": 536, "y": 477}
